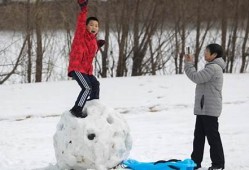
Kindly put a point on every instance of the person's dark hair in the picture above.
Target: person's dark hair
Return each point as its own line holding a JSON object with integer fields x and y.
{"x": 215, "y": 48}
{"x": 91, "y": 19}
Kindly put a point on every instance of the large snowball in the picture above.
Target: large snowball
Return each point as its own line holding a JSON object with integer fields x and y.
{"x": 100, "y": 141}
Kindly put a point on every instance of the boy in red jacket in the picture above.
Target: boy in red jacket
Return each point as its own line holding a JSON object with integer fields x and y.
{"x": 83, "y": 51}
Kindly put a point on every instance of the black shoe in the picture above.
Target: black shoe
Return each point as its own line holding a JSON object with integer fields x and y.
{"x": 77, "y": 113}
{"x": 215, "y": 168}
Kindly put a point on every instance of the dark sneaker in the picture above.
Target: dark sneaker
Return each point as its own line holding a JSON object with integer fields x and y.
{"x": 215, "y": 168}
{"x": 78, "y": 113}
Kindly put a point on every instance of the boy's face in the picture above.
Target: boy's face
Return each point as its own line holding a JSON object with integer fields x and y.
{"x": 208, "y": 56}
{"x": 93, "y": 27}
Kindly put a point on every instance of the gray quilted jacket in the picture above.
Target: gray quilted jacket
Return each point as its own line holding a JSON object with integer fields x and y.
{"x": 208, "y": 92}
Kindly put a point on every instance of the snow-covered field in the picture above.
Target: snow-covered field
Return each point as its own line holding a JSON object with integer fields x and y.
{"x": 158, "y": 109}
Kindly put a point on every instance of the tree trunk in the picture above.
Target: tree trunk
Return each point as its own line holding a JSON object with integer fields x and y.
{"x": 200, "y": 39}
{"x": 234, "y": 38}
{"x": 183, "y": 36}
{"x": 135, "y": 67}
{"x": 152, "y": 62}
{"x": 224, "y": 28}
{"x": 141, "y": 41}
{"x": 107, "y": 31}
{"x": 29, "y": 33}
{"x": 39, "y": 52}
{"x": 228, "y": 54}
{"x": 183, "y": 48}
{"x": 244, "y": 49}
{"x": 198, "y": 30}
{"x": 176, "y": 47}
{"x": 122, "y": 40}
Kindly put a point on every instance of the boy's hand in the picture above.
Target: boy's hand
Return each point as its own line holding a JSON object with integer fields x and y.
{"x": 82, "y": 3}
{"x": 100, "y": 43}
{"x": 188, "y": 58}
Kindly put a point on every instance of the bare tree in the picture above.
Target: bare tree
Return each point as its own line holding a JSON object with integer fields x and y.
{"x": 200, "y": 40}
{"x": 29, "y": 42}
{"x": 177, "y": 20}
{"x": 244, "y": 49}
{"x": 106, "y": 47}
{"x": 177, "y": 47}
{"x": 158, "y": 57}
{"x": 142, "y": 37}
{"x": 198, "y": 32}
{"x": 39, "y": 50}
{"x": 234, "y": 35}
{"x": 224, "y": 27}
{"x": 159, "y": 54}
{"x": 182, "y": 31}
{"x": 15, "y": 65}
{"x": 144, "y": 30}
{"x": 123, "y": 31}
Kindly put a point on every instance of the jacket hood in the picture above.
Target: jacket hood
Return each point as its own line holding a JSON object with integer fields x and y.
{"x": 219, "y": 61}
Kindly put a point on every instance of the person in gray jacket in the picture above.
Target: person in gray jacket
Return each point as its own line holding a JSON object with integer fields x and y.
{"x": 208, "y": 105}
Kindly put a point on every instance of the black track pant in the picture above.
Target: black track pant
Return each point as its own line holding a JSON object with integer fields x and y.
{"x": 89, "y": 87}
{"x": 208, "y": 126}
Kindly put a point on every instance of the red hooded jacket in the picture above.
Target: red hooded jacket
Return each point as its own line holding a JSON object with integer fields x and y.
{"x": 84, "y": 47}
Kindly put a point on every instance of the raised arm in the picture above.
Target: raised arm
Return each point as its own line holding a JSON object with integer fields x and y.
{"x": 81, "y": 20}
{"x": 201, "y": 76}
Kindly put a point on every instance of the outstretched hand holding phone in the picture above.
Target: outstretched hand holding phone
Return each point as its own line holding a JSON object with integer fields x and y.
{"x": 188, "y": 57}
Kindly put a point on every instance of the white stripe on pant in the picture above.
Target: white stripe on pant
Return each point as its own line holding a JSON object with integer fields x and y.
{"x": 87, "y": 89}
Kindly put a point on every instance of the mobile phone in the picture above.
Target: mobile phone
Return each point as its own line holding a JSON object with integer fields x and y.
{"x": 188, "y": 50}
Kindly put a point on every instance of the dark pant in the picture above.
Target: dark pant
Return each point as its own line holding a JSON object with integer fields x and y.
{"x": 89, "y": 88}
{"x": 208, "y": 126}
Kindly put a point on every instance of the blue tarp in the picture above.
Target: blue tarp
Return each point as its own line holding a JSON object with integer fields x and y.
{"x": 186, "y": 164}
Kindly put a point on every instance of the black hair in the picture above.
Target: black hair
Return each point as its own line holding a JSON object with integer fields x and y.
{"x": 91, "y": 19}
{"x": 215, "y": 48}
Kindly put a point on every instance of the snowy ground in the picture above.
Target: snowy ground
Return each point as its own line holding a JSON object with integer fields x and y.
{"x": 159, "y": 110}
